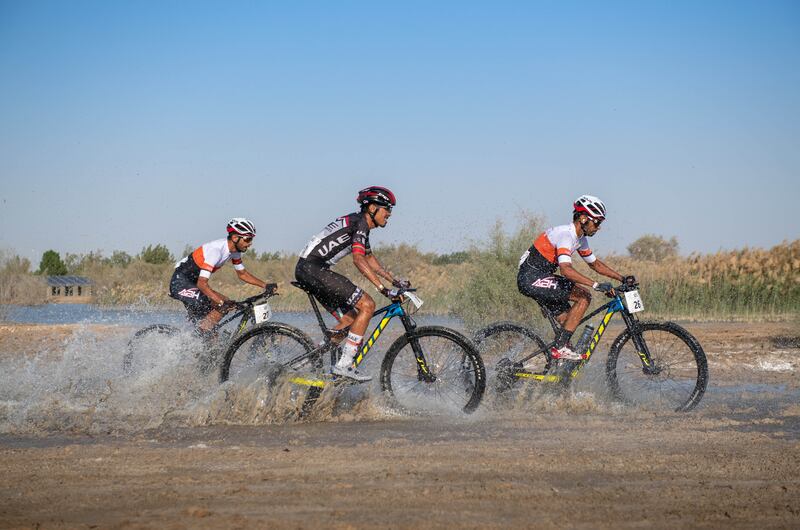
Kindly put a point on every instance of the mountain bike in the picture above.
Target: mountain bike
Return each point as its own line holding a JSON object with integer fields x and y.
{"x": 142, "y": 347}
{"x": 652, "y": 364}
{"x": 426, "y": 368}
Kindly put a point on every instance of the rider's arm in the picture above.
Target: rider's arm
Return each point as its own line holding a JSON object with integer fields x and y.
{"x": 569, "y": 272}
{"x": 246, "y": 277}
{"x": 378, "y": 268}
{"x": 601, "y": 268}
{"x": 364, "y": 266}
{"x": 214, "y": 296}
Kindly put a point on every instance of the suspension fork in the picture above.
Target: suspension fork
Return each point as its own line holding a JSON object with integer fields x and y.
{"x": 423, "y": 372}
{"x": 648, "y": 366}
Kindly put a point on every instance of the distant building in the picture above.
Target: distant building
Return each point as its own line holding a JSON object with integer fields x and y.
{"x": 72, "y": 289}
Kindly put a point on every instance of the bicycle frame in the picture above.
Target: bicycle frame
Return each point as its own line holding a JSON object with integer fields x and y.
{"x": 395, "y": 309}
{"x": 245, "y": 313}
{"x": 610, "y": 308}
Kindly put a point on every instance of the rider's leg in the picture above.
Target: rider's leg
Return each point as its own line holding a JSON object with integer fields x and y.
{"x": 580, "y": 298}
{"x": 364, "y": 309}
{"x": 208, "y": 322}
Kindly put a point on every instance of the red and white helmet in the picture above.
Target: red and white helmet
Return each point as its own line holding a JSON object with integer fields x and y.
{"x": 591, "y": 206}
{"x": 376, "y": 195}
{"x": 241, "y": 226}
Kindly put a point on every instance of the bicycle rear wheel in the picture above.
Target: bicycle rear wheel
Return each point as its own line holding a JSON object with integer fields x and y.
{"x": 676, "y": 377}
{"x": 143, "y": 350}
{"x": 265, "y": 349}
{"x": 501, "y": 346}
{"x": 455, "y": 378}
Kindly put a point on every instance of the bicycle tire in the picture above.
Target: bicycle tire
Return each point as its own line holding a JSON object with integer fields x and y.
{"x": 138, "y": 338}
{"x": 502, "y": 344}
{"x": 456, "y": 365}
{"x": 294, "y": 342}
{"x": 682, "y": 369}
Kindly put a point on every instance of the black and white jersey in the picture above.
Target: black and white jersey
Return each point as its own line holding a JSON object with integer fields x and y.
{"x": 347, "y": 234}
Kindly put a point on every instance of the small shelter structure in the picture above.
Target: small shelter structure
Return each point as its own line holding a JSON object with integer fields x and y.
{"x": 69, "y": 289}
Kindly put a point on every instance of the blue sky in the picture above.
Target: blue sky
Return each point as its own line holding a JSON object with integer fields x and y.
{"x": 124, "y": 124}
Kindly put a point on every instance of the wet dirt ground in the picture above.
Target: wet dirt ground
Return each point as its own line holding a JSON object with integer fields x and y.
{"x": 576, "y": 461}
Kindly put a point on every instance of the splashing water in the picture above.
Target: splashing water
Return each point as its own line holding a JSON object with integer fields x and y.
{"x": 79, "y": 386}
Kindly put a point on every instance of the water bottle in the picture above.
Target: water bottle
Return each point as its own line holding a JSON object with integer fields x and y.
{"x": 586, "y": 336}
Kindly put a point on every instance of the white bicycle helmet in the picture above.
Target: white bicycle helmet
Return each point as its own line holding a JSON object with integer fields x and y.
{"x": 241, "y": 226}
{"x": 591, "y": 206}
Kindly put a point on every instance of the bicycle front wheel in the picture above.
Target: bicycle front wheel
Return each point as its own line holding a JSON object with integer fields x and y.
{"x": 265, "y": 350}
{"x": 674, "y": 378}
{"x": 434, "y": 369}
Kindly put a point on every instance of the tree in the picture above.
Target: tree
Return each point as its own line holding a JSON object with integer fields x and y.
{"x": 51, "y": 264}
{"x": 651, "y": 247}
{"x": 156, "y": 254}
{"x": 119, "y": 258}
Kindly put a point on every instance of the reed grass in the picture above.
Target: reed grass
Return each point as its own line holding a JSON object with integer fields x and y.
{"x": 479, "y": 285}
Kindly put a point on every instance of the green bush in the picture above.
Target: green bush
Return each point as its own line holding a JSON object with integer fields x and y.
{"x": 156, "y": 255}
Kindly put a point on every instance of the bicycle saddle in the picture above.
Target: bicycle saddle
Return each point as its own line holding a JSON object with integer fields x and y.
{"x": 302, "y": 286}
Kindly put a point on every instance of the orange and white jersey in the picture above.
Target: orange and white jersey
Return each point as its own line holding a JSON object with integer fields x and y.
{"x": 556, "y": 245}
{"x": 209, "y": 258}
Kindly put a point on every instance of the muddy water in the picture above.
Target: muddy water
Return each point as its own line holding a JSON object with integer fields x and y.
{"x": 83, "y": 445}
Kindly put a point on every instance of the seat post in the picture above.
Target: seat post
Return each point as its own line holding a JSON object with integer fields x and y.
{"x": 550, "y": 318}
{"x": 317, "y": 312}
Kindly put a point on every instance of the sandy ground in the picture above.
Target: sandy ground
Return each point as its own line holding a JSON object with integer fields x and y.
{"x": 571, "y": 462}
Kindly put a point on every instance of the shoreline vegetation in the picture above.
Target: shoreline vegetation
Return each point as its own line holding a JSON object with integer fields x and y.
{"x": 477, "y": 285}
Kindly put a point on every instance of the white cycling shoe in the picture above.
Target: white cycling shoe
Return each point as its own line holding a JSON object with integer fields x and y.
{"x": 566, "y": 353}
{"x": 350, "y": 373}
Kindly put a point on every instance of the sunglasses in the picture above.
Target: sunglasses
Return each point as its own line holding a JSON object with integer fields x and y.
{"x": 596, "y": 222}
{"x": 246, "y": 239}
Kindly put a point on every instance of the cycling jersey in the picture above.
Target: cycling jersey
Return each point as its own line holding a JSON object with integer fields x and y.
{"x": 206, "y": 259}
{"x": 555, "y": 246}
{"x": 347, "y": 234}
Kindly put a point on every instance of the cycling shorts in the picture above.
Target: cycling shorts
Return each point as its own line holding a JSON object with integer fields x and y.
{"x": 548, "y": 289}
{"x": 335, "y": 292}
{"x": 184, "y": 289}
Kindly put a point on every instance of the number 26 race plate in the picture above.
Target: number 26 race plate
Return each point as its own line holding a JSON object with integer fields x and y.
{"x": 633, "y": 302}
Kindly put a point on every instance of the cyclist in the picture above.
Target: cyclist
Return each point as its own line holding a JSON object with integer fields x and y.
{"x": 552, "y": 251}
{"x": 348, "y": 303}
{"x": 189, "y": 282}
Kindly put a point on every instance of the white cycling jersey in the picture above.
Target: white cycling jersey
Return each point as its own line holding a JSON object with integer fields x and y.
{"x": 557, "y": 244}
{"x": 209, "y": 258}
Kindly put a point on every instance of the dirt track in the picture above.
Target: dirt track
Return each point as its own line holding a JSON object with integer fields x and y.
{"x": 576, "y": 462}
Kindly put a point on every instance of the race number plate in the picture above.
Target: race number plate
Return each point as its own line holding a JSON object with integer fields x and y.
{"x": 633, "y": 302}
{"x": 416, "y": 300}
{"x": 263, "y": 312}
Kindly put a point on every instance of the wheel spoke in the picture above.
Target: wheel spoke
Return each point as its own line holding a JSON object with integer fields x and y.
{"x": 455, "y": 379}
{"x": 676, "y": 380}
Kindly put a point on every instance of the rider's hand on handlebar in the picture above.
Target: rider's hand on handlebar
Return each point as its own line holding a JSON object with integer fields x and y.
{"x": 226, "y": 305}
{"x": 629, "y": 280}
{"x": 401, "y": 283}
{"x": 604, "y": 287}
{"x": 390, "y": 293}
{"x": 271, "y": 288}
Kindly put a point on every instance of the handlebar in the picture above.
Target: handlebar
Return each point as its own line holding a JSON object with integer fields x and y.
{"x": 625, "y": 287}
{"x": 401, "y": 291}
{"x": 248, "y": 302}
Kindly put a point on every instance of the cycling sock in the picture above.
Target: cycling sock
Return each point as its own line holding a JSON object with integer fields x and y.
{"x": 562, "y": 338}
{"x": 350, "y": 348}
